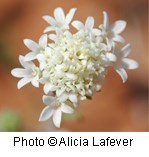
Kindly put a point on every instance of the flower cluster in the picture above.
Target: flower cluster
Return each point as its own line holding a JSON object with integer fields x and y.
{"x": 72, "y": 66}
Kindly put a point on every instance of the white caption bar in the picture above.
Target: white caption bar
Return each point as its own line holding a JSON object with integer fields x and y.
{"x": 66, "y": 144}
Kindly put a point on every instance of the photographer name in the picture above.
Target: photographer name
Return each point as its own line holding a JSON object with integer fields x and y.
{"x": 71, "y": 141}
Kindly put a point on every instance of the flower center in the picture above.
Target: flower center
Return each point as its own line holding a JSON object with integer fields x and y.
{"x": 35, "y": 71}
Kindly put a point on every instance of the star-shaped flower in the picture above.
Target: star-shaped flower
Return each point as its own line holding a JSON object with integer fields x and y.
{"x": 111, "y": 32}
{"x": 89, "y": 25}
{"x": 54, "y": 108}
{"x": 30, "y": 73}
{"x": 123, "y": 62}
{"x": 60, "y": 21}
{"x": 36, "y": 48}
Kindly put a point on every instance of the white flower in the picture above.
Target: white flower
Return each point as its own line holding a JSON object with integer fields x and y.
{"x": 44, "y": 58}
{"x": 61, "y": 21}
{"x": 30, "y": 73}
{"x": 123, "y": 62}
{"x": 108, "y": 59}
{"x": 111, "y": 32}
{"x": 63, "y": 96}
{"x": 89, "y": 25}
{"x": 72, "y": 66}
{"x": 54, "y": 108}
{"x": 35, "y": 48}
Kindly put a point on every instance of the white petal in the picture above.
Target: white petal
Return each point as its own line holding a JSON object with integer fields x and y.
{"x": 125, "y": 51}
{"x": 59, "y": 14}
{"x": 23, "y": 82}
{"x": 30, "y": 56}
{"x": 129, "y": 63}
{"x": 122, "y": 73}
{"x": 43, "y": 41}
{"x": 119, "y": 38}
{"x": 78, "y": 25}
{"x": 118, "y": 26}
{"x": 52, "y": 37}
{"x": 25, "y": 64}
{"x": 89, "y": 92}
{"x": 19, "y": 72}
{"x": 111, "y": 57}
{"x": 63, "y": 97}
{"x": 57, "y": 118}
{"x": 35, "y": 82}
{"x": 50, "y": 20}
{"x": 73, "y": 98}
{"x": 96, "y": 32}
{"x": 40, "y": 57}
{"x": 66, "y": 109}
{"x": 42, "y": 65}
{"x": 48, "y": 87}
{"x": 89, "y": 22}
{"x": 46, "y": 113}
{"x": 71, "y": 76}
{"x": 49, "y": 28}
{"x": 105, "y": 20}
{"x": 59, "y": 92}
{"x": 110, "y": 43}
{"x": 70, "y": 15}
{"x": 48, "y": 99}
{"x": 32, "y": 45}
{"x": 98, "y": 87}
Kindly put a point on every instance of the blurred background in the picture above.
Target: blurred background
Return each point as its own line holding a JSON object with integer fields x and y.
{"x": 118, "y": 107}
